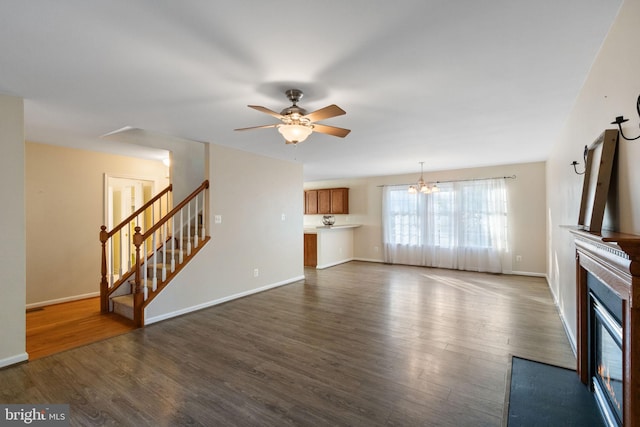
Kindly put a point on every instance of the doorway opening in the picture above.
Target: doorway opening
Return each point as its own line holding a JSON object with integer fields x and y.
{"x": 123, "y": 196}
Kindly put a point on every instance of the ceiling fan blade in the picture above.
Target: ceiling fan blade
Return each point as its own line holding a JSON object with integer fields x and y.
{"x": 331, "y": 130}
{"x": 325, "y": 113}
{"x": 258, "y": 127}
{"x": 266, "y": 110}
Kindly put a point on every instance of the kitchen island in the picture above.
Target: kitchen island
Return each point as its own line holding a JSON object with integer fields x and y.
{"x": 328, "y": 245}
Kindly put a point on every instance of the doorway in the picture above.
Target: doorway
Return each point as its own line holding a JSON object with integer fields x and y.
{"x": 123, "y": 196}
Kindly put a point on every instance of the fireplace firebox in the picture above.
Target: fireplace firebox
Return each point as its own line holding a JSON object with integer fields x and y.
{"x": 608, "y": 322}
{"x": 606, "y": 360}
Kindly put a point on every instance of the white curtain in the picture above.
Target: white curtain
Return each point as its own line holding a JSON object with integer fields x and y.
{"x": 463, "y": 226}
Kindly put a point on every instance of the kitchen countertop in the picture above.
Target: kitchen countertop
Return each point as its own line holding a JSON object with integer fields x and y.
{"x": 315, "y": 230}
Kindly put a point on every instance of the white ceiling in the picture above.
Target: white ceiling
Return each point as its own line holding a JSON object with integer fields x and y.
{"x": 455, "y": 84}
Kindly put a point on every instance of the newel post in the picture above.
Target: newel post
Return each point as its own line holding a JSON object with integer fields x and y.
{"x": 104, "y": 284}
{"x": 138, "y": 293}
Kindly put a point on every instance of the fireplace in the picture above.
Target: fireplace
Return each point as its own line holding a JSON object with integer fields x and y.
{"x": 608, "y": 322}
{"x": 605, "y": 350}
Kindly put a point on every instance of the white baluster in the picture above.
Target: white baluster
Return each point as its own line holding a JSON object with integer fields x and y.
{"x": 164, "y": 253}
{"x": 173, "y": 245}
{"x": 166, "y": 208}
{"x": 145, "y": 270}
{"x": 189, "y": 228}
{"x": 123, "y": 242}
{"x": 154, "y": 248}
{"x": 196, "y": 223}
{"x": 204, "y": 200}
{"x": 154, "y": 220}
{"x": 181, "y": 238}
{"x": 132, "y": 248}
{"x": 110, "y": 251}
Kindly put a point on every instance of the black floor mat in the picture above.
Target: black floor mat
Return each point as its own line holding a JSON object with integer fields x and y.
{"x": 546, "y": 395}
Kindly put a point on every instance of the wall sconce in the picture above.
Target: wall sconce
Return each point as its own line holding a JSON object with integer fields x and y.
{"x": 584, "y": 157}
{"x": 620, "y": 119}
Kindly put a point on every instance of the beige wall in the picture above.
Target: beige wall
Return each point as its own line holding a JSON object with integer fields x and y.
{"x": 334, "y": 246}
{"x": 187, "y": 157}
{"x": 251, "y": 193}
{"x": 610, "y": 90}
{"x": 527, "y": 202}
{"x": 65, "y": 209}
{"x": 12, "y": 230}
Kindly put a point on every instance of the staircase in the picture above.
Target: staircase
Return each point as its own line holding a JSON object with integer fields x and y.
{"x": 142, "y": 254}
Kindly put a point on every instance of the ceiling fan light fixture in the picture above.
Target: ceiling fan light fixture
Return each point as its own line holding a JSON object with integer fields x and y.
{"x": 297, "y": 124}
{"x": 295, "y": 133}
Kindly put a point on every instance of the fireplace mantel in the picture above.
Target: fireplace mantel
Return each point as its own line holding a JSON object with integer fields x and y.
{"x": 614, "y": 258}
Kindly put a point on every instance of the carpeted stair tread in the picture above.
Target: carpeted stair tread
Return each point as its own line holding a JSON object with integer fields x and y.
{"x": 124, "y": 300}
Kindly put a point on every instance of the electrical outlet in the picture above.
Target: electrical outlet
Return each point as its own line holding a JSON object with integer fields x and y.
{"x": 518, "y": 258}
{"x": 284, "y": 217}
{"x": 217, "y": 219}
{"x": 256, "y": 272}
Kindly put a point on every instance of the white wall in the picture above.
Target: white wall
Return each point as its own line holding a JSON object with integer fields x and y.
{"x": 64, "y": 211}
{"x": 251, "y": 193}
{"x": 611, "y": 90}
{"x": 12, "y": 230}
{"x": 335, "y": 246}
{"x": 527, "y": 207}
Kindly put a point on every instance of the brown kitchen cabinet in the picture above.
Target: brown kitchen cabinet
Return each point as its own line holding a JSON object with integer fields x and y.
{"x": 311, "y": 202}
{"x": 339, "y": 200}
{"x": 310, "y": 250}
{"x": 326, "y": 201}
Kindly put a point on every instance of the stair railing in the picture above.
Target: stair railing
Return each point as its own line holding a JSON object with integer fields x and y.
{"x": 118, "y": 246}
{"x": 181, "y": 231}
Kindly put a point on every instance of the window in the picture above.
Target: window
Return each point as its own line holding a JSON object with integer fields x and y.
{"x": 464, "y": 224}
{"x": 406, "y": 223}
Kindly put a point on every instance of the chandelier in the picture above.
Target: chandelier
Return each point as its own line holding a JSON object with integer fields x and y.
{"x": 422, "y": 186}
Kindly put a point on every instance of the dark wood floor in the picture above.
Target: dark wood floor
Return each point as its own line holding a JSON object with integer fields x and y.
{"x": 357, "y": 344}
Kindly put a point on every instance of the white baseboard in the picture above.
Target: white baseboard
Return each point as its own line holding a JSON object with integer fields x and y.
{"x": 572, "y": 340}
{"x": 14, "y": 359}
{"x": 381, "y": 261}
{"x": 155, "y": 319}
{"x": 516, "y": 273}
{"x": 528, "y": 273}
{"x": 61, "y": 300}
{"x": 331, "y": 264}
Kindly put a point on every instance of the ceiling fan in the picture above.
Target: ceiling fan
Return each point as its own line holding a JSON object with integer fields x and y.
{"x": 297, "y": 124}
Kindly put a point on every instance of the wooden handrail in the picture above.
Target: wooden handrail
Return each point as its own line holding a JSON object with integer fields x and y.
{"x": 106, "y": 235}
{"x": 131, "y": 217}
{"x": 139, "y": 238}
{"x": 170, "y": 214}
{"x": 139, "y": 290}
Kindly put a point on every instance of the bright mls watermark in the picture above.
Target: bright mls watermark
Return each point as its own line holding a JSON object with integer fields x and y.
{"x": 34, "y": 415}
